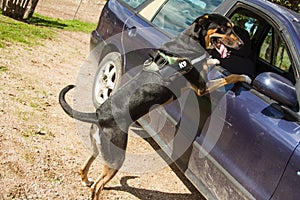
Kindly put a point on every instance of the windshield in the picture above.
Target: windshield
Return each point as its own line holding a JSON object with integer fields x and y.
{"x": 177, "y": 15}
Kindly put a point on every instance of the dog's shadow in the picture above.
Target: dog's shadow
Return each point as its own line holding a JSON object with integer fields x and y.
{"x": 144, "y": 194}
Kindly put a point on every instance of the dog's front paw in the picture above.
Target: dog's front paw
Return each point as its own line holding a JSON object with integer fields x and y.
{"x": 213, "y": 61}
{"x": 247, "y": 79}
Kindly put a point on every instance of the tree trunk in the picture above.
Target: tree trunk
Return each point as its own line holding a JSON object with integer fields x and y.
{"x": 30, "y": 9}
{"x": 18, "y": 9}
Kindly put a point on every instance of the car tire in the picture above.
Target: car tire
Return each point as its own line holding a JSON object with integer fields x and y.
{"x": 108, "y": 77}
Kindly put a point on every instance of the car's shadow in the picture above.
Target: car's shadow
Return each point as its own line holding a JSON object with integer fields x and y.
{"x": 144, "y": 194}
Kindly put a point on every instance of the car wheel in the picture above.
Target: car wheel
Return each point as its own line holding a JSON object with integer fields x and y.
{"x": 108, "y": 77}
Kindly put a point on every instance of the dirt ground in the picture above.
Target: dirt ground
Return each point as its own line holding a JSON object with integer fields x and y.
{"x": 40, "y": 150}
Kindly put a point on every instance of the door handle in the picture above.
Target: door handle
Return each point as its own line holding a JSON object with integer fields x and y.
{"x": 132, "y": 31}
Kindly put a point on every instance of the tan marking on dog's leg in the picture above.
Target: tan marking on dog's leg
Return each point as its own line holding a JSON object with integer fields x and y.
{"x": 106, "y": 175}
{"x": 84, "y": 171}
{"x": 217, "y": 83}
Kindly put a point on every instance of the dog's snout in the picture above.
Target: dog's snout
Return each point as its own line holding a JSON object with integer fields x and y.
{"x": 240, "y": 43}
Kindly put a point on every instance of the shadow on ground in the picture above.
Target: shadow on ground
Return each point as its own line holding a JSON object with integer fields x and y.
{"x": 144, "y": 194}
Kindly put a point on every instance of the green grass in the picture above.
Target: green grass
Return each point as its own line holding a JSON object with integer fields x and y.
{"x": 70, "y": 25}
{"x": 3, "y": 69}
{"x": 36, "y": 29}
{"x": 13, "y": 31}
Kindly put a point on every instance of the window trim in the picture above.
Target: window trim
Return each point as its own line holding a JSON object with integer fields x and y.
{"x": 270, "y": 23}
{"x": 150, "y": 10}
{"x": 273, "y": 22}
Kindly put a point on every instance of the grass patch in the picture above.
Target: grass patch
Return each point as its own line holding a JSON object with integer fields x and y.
{"x": 24, "y": 115}
{"x": 29, "y": 158}
{"x": 3, "y": 69}
{"x": 70, "y": 25}
{"x": 36, "y": 29}
{"x": 13, "y": 31}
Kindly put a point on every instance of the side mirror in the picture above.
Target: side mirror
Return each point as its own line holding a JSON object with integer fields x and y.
{"x": 276, "y": 87}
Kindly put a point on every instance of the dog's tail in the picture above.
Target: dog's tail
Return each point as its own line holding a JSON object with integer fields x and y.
{"x": 85, "y": 117}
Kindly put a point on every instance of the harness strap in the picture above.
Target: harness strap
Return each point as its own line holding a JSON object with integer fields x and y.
{"x": 199, "y": 59}
{"x": 169, "y": 66}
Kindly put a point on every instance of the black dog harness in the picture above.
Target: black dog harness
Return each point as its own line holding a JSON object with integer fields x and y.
{"x": 169, "y": 67}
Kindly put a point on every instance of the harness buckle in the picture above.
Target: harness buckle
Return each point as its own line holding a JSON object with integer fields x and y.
{"x": 167, "y": 66}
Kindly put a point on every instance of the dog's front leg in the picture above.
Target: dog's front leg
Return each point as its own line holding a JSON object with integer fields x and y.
{"x": 217, "y": 83}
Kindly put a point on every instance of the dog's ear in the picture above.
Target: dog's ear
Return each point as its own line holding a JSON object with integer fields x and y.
{"x": 200, "y": 24}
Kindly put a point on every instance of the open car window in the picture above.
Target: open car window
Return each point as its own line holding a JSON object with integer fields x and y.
{"x": 274, "y": 51}
{"x": 268, "y": 49}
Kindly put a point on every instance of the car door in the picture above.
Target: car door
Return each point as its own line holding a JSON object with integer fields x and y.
{"x": 139, "y": 36}
{"x": 166, "y": 125}
{"x": 151, "y": 26}
{"x": 287, "y": 189}
{"x": 248, "y": 139}
{"x": 172, "y": 17}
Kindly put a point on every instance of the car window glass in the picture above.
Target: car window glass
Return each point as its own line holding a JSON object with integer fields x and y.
{"x": 177, "y": 15}
{"x": 134, "y": 3}
{"x": 274, "y": 51}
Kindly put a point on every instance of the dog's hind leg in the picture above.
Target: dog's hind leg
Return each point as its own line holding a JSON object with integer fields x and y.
{"x": 85, "y": 169}
{"x": 107, "y": 174}
{"x": 87, "y": 164}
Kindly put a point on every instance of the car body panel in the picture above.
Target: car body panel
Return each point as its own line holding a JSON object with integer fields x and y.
{"x": 290, "y": 180}
{"x": 251, "y": 139}
{"x": 138, "y": 38}
{"x": 242, "y": 142}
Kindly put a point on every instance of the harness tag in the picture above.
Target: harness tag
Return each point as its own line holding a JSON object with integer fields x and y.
{"x": 182, "y": 64}
{"x": 181, "y": 67}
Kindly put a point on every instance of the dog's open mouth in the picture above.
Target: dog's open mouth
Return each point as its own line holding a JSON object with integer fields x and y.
{"x": 220, "y": 47}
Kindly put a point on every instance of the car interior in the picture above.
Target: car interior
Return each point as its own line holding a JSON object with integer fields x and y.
{"x": 266, "y": 50}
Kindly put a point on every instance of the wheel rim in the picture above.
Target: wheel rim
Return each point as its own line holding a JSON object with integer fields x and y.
{"x": 105, "y": 82}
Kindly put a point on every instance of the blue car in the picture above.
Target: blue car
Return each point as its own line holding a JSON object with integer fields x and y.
{"x": 241, "y": 141}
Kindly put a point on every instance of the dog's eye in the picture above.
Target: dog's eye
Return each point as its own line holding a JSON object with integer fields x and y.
{"x": 224, "y": 29}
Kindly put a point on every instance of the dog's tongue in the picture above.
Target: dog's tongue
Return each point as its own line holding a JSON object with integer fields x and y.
{"x": 223, "y": 51}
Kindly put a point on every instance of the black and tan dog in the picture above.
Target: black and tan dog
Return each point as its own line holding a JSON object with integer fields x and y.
{"x": 183, "y": 58}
